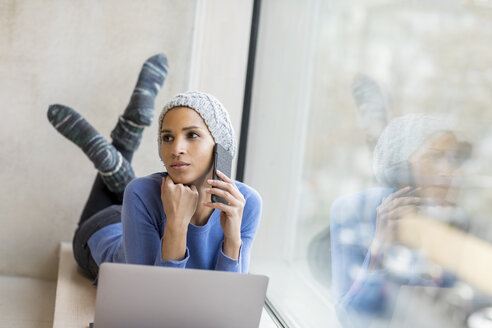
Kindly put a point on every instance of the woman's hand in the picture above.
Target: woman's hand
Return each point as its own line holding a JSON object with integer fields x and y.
{"x": 393, "y": 208}
{"x": 179, "y": 202}
{"x": 231, "y": 215}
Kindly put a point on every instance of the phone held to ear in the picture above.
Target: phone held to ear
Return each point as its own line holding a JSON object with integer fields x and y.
{"x": 223, "y": 163}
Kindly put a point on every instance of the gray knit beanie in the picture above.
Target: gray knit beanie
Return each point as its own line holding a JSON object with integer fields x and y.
{"x": 213, "y": 113}
{"x": 399, "y": 140}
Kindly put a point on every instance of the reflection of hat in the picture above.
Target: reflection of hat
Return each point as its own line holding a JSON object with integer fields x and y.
{"x": 399, "y": 140}
{"x": 213, "y": 113}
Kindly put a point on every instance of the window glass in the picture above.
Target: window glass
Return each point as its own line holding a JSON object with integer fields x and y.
{"x": 371, "y": 143}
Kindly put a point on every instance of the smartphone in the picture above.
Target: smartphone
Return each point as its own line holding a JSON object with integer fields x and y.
{"x": 223, "y": 163}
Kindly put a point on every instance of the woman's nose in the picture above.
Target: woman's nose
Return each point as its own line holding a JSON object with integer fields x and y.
{"x": 179, "y": 147}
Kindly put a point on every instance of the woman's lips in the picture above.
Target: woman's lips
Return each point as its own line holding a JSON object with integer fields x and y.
{"x": 179, "y": 166}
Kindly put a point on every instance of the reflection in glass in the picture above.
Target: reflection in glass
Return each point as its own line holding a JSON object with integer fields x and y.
{"x": 385, "y": 270}
{"x": 325, "y": 94}
{"x": 416, "y": 160}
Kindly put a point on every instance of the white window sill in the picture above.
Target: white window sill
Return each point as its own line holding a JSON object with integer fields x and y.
{"x": 296, "y": 295}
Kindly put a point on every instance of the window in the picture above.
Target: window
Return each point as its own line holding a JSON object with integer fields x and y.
{"x": 352, "y": 102}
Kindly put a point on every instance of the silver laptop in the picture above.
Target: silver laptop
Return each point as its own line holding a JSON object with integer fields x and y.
{"x": 140, "y": 296}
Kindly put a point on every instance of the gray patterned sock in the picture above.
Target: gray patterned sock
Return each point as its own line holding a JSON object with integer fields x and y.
{"x": 138, "y": 114}
{"x": 115, "y": 171}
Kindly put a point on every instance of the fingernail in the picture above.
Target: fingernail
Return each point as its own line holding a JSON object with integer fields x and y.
{"x": 207, "y": 189}
{"x": 210, "y": 181}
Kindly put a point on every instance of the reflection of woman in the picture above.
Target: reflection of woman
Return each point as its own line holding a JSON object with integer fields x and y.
{"x": 164, "y": 219}
{"x": 416, "y": 159}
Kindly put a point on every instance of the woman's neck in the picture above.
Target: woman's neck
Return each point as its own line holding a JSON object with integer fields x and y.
{"x": 202, "y": 213}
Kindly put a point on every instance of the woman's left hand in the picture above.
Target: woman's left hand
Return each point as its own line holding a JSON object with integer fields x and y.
{"x": 231, "y": 214}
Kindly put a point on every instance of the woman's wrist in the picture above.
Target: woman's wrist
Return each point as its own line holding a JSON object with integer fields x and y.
{"x": 173, "y": 243}
{"x": 176, "y": 226}
{"x": 376, "y": 252}
{"x": 231, "y": 247}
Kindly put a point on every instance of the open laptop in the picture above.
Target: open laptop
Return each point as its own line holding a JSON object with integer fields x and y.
{"x": 140, "y": 296}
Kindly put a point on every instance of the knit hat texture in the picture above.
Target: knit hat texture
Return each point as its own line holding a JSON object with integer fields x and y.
{"x": 399, "y": 140}
{"x": 213, "y": 113}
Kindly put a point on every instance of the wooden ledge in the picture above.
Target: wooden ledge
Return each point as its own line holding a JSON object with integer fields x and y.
{"x": 75, "y": 294}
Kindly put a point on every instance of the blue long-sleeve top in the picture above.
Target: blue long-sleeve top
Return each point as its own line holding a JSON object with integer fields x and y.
{"x": 352, "y": 229}
{"x": 361, "y": 293}
{"x": 138, "y": 238}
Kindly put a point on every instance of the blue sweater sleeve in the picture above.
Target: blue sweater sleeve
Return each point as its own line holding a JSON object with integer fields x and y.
{"x": 173, "y": 264}
{"x": 249, "y": 225}
{"x": 142, "y": 238}
{"x": 352, "y": 225}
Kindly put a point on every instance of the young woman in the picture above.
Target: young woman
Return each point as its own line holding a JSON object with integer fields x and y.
{"x": 166, "y": 218}
{"x": 416, "y": 159}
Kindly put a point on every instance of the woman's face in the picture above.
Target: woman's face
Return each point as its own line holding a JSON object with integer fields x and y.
{"x": 434, "y": 166}
{"x": 186, "y": 146}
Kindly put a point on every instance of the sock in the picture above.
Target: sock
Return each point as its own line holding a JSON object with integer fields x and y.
{"x": 115, "y": 171}
{"x": 117, "y": 179}
{"x": 369, "y": 97}
{"x": 140, "y": 110}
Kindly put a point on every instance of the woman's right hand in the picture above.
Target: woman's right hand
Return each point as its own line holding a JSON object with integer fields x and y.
{"x": 393, "y": 208}
{"x": 179, "y": 203}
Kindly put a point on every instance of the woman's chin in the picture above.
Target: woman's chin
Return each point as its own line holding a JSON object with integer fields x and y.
{"x": 177, "y": 179}
{"x": 437, "y": 194}
{"x": 189, "y": 178}
{"x": 185, "y": 179}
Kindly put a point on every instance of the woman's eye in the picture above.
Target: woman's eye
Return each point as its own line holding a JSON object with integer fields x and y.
{"x": 166, "y": 138}
{"x": 193, "y": 135}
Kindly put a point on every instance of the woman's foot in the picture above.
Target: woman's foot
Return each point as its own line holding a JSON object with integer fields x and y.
{"x": 115, "y": 170}
{"x": 139, "y": 113}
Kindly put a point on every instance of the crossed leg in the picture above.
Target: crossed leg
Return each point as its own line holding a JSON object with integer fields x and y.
{"x": 112, "y": 161}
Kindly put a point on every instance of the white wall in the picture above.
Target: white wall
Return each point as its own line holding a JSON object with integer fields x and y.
{"x": 221, "y": 52}
{"x": 88, "y": 55}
